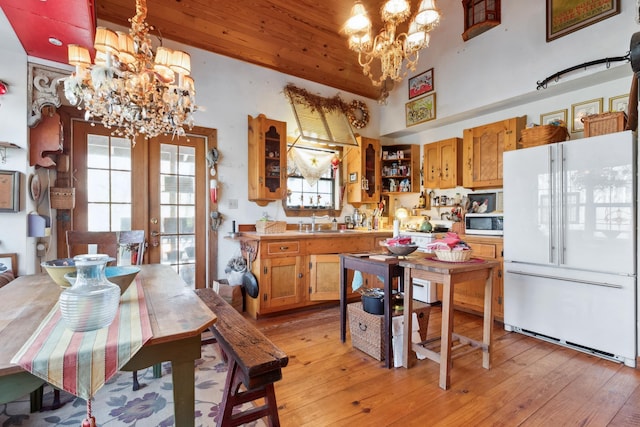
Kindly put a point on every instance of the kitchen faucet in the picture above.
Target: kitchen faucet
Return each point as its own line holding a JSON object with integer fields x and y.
{"x": 313, "y": 220}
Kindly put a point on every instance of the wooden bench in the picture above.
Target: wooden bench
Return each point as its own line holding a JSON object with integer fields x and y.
{"x": 253, "y": 360}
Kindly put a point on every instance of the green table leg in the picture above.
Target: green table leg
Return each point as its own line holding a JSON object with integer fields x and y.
{"x": 184, "y": 392}
{"x": 157, "y": 370}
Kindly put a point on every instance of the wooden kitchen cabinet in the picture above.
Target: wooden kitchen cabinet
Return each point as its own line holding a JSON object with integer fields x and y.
{"x": 482, "y": 151}
{"x": 470, "y": 296}
{"x": 302, "y": 269}
{"x": 401, "y": 164}
{"x": 267, "y": 162}
{"x": 281, "y": 272}
{"x": 363, "y": 172}
{"x": 443, "y": 163}
{"x": 282, "y": 283}
{"x": 324, "y": 266}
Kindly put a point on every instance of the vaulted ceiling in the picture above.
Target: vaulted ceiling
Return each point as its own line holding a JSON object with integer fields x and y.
{"x": 297, "y": 37}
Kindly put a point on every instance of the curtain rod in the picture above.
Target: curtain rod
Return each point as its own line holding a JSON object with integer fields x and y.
{"x": 543, "y": 84}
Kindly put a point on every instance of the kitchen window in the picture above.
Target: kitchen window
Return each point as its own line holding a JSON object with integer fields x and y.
{"x": 312, "y": 183}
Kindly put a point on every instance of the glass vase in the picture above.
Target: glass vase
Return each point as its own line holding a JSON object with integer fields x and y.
{"x": 92, "y": 302}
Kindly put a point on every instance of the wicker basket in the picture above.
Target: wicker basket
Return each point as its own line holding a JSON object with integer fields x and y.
{"x": 602, "y": 124}
{"x": 541, "y": 135}
{"x": 63, "y": 198}
{"x": 453, "y": 256}
{"x": 366, "y": 328}
{"x": 271, "y": 227}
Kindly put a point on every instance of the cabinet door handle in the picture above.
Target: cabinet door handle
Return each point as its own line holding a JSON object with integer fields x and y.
{"x": 284, "y": 248}
{"x": 299, "y": 275}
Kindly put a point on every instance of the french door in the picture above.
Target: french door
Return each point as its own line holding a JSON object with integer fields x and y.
{"x": 158, "y": 185}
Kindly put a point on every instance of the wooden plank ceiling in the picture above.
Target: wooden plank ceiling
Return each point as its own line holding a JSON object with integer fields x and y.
{"x": 301, "y": 38}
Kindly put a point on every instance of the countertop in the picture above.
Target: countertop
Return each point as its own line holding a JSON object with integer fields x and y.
{"x": 294, "y": 234}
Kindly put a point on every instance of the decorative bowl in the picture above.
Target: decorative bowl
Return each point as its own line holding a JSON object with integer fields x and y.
{"x": 57, "y": 268}
{"x": 120, "y": 275}
{"x": 400, "y": 250}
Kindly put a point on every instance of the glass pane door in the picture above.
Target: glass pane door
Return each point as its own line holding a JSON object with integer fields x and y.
{"x": 177, "y": 197}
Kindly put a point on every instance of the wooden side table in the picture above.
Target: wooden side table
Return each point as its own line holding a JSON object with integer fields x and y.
{"x": 387, "y": 269}
{"x": 448, "y": 274}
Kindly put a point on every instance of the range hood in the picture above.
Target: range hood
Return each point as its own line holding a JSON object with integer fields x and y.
{"x": 320, "y": 120}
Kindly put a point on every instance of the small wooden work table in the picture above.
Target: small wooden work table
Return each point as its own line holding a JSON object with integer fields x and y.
{"x": 178, "y": 317}
{"x": 387, "y": 269}
{"x": 448, "y": 274}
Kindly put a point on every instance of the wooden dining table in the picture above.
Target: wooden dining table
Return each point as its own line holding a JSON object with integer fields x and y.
{"x": 177, "y": 315}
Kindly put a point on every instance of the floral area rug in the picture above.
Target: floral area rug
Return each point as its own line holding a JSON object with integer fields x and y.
{"x": 116, "y": 404}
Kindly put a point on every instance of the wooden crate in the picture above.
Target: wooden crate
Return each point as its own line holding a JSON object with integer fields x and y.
{"x": 366, "y": 328}
{"x": 602, "y": 124}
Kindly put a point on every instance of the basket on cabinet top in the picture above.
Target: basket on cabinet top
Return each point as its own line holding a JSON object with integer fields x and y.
{"x": 541, "y": 135}
{"x": 271, "y": 227}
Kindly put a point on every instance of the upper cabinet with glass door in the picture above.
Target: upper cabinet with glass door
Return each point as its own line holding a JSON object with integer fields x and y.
{"x": 363, "y": 172}
{"x": 267, "y": 159}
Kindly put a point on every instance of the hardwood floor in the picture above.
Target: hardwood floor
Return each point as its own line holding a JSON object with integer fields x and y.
{"x": 531, "y": 382}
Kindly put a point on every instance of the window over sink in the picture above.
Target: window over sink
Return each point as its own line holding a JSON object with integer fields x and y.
{"x": 313, "y": 181}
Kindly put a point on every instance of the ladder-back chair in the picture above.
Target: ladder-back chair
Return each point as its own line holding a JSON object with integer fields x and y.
{"x": 78, "y": 242}
{"x": 131, "y": 243}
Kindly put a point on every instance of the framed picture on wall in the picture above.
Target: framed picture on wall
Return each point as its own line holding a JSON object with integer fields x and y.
{"x": 9, "y": 262}
{"x": 421, "y": 110}
{"x": 549, "y": 118}
{"x": 567, "y": 16}
{"x": 421, "y": 84}
{"x": 9, "y": 191}
{"x": 583, "y": 109}
{"x": 619, "y": 103}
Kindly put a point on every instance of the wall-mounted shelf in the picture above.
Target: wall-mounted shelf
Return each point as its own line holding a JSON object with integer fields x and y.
{"x": 3, "y": 150}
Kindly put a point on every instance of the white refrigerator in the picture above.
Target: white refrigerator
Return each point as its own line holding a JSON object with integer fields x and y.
{"x": 570, "y": 244}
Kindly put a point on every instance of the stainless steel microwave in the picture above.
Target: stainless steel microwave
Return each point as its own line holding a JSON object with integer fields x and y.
{"x": 491, "y": 224}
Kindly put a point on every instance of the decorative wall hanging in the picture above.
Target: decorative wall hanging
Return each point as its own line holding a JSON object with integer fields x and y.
{"x": 421, "y": 110}
{"x": 9, "y": 191}
{"x": 358, "y": 114}
{"x": 421, "y": 84}
{"x": 583, "y": 109}
{"x": 619, "y": 103}
{"x": 564, "y": 17}
{"x": 553, "y": 117}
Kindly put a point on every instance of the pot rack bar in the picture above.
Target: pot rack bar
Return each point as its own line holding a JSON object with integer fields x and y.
{"x": 542, "y": 84}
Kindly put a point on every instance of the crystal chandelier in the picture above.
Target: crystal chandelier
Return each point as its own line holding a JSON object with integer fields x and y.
{"x": 389, "y": 48}
{"x": 129, "y": 87}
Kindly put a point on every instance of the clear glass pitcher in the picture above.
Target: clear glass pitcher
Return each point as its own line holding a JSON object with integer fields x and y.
{"x": 92, "y": 302}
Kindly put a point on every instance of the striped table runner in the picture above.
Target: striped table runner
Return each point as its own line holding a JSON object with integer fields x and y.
{"x": 81, "y": 362}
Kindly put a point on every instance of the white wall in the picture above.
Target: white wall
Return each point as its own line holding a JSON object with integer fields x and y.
{"x": 13, "y": 128}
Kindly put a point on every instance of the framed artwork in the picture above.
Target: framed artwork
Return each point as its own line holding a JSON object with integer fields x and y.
{"x": 582, "y": 109}
{"x": 421, "y": 84}
{"x": 421, "y": 110}
{"x": 554, "y": 116}
{"x": 567, "y": 16}
{"x": 9, "y": 191}
{"x": 9, "y": 262}
{"x": 619, "y": 103}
